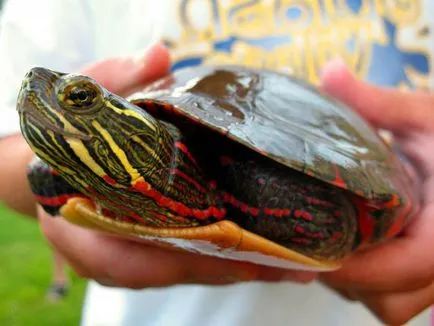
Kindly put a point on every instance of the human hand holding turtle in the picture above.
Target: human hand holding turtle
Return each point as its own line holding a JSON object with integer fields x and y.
{"x": 396, "y": 279}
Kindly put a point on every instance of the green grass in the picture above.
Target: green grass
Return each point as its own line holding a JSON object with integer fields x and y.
{"x": 25, "y": 274}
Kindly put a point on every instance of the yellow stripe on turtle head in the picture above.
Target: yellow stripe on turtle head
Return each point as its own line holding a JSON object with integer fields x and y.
{"x": 120, "y": 154}
{"x": 81, "y": 151}
{"x": 131, "y": 113}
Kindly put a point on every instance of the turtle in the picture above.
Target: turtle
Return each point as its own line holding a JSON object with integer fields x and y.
{"x": 237, "y": 162}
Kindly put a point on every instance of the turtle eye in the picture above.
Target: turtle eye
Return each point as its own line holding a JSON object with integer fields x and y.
{"x": 82, "y": 97}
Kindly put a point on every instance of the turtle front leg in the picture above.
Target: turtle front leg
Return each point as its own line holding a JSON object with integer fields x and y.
{"x": 49, "y": 188}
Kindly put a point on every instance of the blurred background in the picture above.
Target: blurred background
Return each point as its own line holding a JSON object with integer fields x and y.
{"x": 26, "y": 274}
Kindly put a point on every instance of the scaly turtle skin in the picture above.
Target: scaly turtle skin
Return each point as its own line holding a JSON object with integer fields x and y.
{"x": 252, "y": 163}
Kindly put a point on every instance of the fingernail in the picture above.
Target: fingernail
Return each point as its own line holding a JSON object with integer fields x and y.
{"x": 146, "y": 55}
{"x": 333, "y": 64}
{"x": 140, "y": 57}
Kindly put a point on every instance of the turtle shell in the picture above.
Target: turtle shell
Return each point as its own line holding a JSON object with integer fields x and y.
{"x": 289, "y": 121}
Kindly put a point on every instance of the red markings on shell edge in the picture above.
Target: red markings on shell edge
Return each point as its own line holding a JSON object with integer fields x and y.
{"x": 177, "y": 207}
{"x": 338, "y": 181}
{"x": 366, "y": 221}
{"x": 397, "y": 225}
{"x": 393, "y": 202}
{"x": 401, "y": 219}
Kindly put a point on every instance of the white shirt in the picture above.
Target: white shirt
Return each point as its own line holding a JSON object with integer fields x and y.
{"x": 65, "y": 35}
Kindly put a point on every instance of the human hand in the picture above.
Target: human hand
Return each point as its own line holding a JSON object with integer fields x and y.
{"x": 394, "y": 280}
{"x": 124, "y": 263}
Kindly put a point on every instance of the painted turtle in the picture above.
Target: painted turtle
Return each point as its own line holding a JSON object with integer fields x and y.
{"x": 231, "y": 161}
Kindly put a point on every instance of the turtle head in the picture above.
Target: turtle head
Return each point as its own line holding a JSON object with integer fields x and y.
{"x": 59, "y": 104}
{"x": 88, "y": 134}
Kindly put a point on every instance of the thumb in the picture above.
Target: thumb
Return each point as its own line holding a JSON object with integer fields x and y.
{"x": 123, "y": 75}
{"x": 385, "y": 108}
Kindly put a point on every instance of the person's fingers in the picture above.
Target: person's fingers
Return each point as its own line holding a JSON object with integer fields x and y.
{"x": 118, "y": 262}
{"x": 392, "y": 308}
{"x": 404, "y": 263}
{"x": 123, "y": 75}
{"x": 398, "y": 308}
{"x": 385, "y": 108}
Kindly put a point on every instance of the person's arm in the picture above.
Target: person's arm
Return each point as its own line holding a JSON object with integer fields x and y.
{"x": 14, "y": 190}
